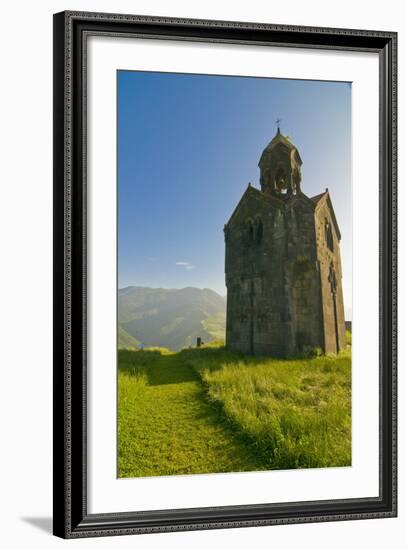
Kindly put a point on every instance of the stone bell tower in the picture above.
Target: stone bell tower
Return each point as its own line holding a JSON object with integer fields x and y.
{"x": 280, "y": 168}
{"x": 282, "y": 263}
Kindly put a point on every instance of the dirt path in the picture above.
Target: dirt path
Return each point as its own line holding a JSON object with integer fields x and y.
{"x": 167, "y": 426}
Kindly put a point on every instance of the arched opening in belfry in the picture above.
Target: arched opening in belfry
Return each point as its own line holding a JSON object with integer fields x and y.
{"x": 296, "y": 180}
{"x": 280, "y": 182}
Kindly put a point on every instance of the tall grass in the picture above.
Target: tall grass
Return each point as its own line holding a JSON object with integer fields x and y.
{"x": 297, "y": 412}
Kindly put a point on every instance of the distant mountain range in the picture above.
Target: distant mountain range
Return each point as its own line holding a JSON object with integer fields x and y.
{"x": 171, "y": 318}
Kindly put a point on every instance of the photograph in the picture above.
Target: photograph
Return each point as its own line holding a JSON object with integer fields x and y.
{"x": 234, "y": 274}
{"x": 224, "y": 273}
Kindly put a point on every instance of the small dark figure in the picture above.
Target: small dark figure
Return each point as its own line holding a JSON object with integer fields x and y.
{"x": 199, "y": 342}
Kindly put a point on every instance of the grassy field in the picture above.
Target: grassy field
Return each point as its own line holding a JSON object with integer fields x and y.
{"x": 207, "y": 410}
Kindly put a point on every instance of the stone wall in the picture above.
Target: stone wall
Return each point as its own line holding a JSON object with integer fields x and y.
{"x": 277, "y": 266}
{"x": 329, "y": 258}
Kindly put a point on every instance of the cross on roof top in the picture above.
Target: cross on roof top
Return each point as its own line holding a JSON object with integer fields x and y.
{"x": 278, "y": 124}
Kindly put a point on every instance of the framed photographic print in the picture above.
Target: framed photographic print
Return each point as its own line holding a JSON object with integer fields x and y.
{"x": 224, "y": 274}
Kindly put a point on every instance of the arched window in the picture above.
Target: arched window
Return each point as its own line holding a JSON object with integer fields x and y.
{"x": 249, "y": 231}
{"x": 329, "y": 236}
{"x": 259, "y": 230}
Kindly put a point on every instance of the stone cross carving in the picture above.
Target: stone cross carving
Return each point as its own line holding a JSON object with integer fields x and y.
{"x": 332, "y": 279}
{"x": 333, "y": 283}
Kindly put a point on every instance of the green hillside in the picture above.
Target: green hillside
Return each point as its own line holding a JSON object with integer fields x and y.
{"x": 125, "y": 340}
{"x": 170, "y": 318}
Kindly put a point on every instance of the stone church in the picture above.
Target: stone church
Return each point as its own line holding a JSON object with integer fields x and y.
{"x": 283, "y": 263}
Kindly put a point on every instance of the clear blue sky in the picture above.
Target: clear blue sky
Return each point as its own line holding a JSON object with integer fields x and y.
{"x": 187, "y": 147}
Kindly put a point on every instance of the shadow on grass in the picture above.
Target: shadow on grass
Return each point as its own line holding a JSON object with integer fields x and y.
{"x": 170, "y": 369}
{"x": 164, "y": 367}
{"x": 160, "y": 368}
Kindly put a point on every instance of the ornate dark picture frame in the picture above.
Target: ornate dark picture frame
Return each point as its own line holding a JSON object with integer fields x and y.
{"x": 71, "y": 518}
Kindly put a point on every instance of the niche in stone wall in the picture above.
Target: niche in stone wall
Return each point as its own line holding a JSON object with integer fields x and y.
{"x": 329, "y": 239}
